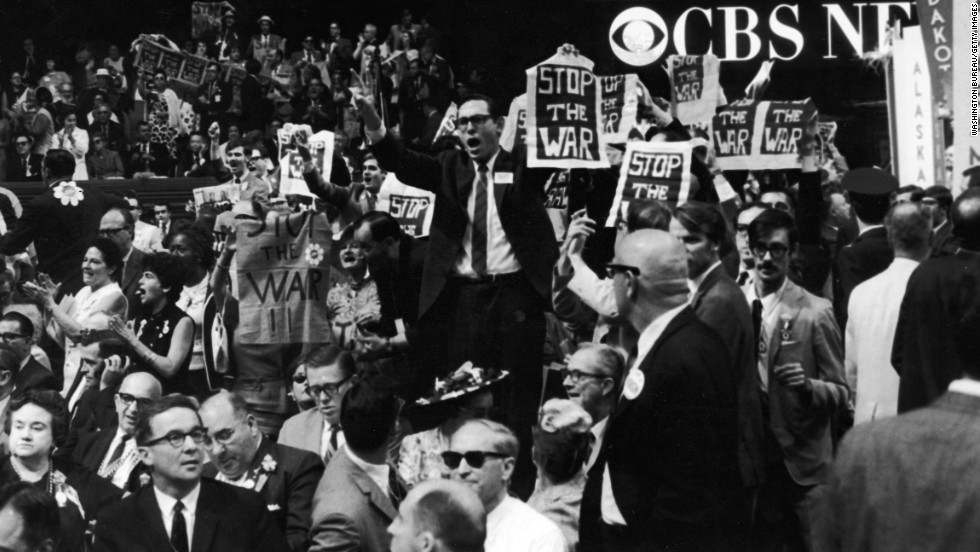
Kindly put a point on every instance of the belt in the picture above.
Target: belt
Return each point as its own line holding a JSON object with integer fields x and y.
{"x": 486, "y": 278}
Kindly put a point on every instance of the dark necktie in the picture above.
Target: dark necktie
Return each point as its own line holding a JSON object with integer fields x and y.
{"x": 479, "y": 233}
{"x": 27, "y": 169}
{"x": 178, "y": 532}
{"x": 757, "y": 319}
{"x": 118, "y": 451}
{"x": 742, "y": 277}
{"x": 396, "y": 493}
{"x": 333, "y": 444}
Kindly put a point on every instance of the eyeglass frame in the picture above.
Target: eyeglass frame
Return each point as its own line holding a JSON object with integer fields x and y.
{"x": 613, "y": 268}
{"x": 5, "y": 336}
{"x": 477, "y": 120}
{"x": 767, "y": 248}
{"x": 315, "y": 390}
{"x": 109, "y": 232}
{"x": 482, "y": 454}
{"x": 576, "y": 376}
{"x": 170, "y": 436}
{"x": 141, "y": 402}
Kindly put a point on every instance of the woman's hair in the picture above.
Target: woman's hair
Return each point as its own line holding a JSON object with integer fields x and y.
{"x": 110, "y": 255}
{"x": 170, "y": 270}
{"x": 49, "y": 400}
{"x": 201, "y": 241}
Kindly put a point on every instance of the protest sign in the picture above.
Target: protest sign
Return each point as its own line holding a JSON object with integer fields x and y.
{"x": 291, "y": 163}
{"x": 411, "y": 207}
{"x": 515, "y": 126}
{"x": 171, "y": 63}
{"x": 761, "y": 135}
{"x": 620, "y": 97}
{"x": 966, "y": 95}
{"x": 192, "y": 71}
{"x": 448, "y": 125}
{"x": 564, "y": 126}
{"x": 917, "y": 146}
{"x": 935, "y": 18}
{"x": 283, "y": 279}
{"x": 206, "y": 19}
{"x": 214, "y": 194}
{"x": 556, "y": 201}
{"x": 149, "y": 55}
{"x": 694, "y": 88}
{"x": 652, "y": 170}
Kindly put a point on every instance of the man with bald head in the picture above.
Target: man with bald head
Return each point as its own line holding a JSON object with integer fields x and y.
{"x": 111, "y": 452}
{"x": 667, "y": 474}
{"x": 939, "y": 292}
{"x": 286, "y": 477}
{"x": 439, "y": 516}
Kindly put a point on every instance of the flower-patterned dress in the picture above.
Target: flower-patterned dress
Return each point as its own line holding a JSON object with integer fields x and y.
{"x": 346, "y": 303}
{"x": 156, "y": 331}
{"x": 420, "y": 457}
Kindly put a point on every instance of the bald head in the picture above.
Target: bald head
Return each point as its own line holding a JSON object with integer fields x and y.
{"x": 966, "y": 219}
{"x": 651, "y": 276}
{"x": 659, "y": 256}
{"x": 909, "y": 227}
{"x": 142, "y": 384}
{"x": 451, "y": 512}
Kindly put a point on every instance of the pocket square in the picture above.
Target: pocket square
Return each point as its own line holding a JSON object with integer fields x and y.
{"x": 274, "y": 508}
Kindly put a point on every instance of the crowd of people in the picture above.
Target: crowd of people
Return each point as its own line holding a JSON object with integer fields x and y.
{"x": 791, "y": 369}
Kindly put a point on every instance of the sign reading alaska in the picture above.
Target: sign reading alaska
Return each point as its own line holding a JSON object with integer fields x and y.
{"x": 640, "y": 36}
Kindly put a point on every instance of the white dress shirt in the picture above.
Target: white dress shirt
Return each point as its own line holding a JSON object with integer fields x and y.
{"x": 513, "y": 526}
{"x": 648, "y": 338}
{"x": 167, "y": 503}
{"x": 965, "y": 386}
{"x": 872, "y": 316}
{"x": 325, "y": 439}
{"x": 128, "y": 460}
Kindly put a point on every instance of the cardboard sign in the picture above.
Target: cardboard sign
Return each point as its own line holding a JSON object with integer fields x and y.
{"x": 564, "y": 126}
{"x": 171, "y": 63}
{"x": 283, "y": 279}
{"x": 291, "y": 174}
{"x": 448, "y": 125}
{"x": 206, "y": 19}
{"x": 761, "y": 135}
{"x": 659, "y": 171}
{"x": 515, "y": 126}
{"x": 149, "y": 55}
{"x": 214, "y": 194}
{"x": 412, "y": 207}
{"x": 917, "y": 156}
{"x": 694, "y": 88}
{"x": 193, "y": 70}
{"x": 556, "y": 201}
{"x": 620, "y": 98}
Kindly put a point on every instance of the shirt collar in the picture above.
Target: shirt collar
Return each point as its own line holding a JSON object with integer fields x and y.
{"x": 966, "y": 387}
{"x": 652, "y": 332}
{"x": 696, "y": 282}
{"x": 868, "y": 229}
{"x": 167, "y": 502}
{"x": 599, "y": 428}
{"x": 489, "y": 163}
{"x": 377, "y": 472}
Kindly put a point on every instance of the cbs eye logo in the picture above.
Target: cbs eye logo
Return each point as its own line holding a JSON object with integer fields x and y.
{"x": 638, "y": 36}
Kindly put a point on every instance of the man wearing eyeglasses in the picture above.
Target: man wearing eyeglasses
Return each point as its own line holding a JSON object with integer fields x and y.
{"x": 113, "y": 133}
{"x": 487, "y": 278}
{"x": 592, "y": 380}
{"x": 284, "y": 476}
{"x": 25, "y": 166}
{"x": 17, "y": 333}
{"x": 801, "y": 378}
{"x": 329, "y": 370}
{"x": 482, "y": 455}
{"x": 180, "y": 511}
{"x": 118, "y": 225}
{"x": 111, "y": 452}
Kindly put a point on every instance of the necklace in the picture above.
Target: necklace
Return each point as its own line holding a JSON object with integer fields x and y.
{"x": 46, "y": 474}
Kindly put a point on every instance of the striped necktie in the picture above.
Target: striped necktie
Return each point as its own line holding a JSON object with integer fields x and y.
{"x": 479, "y": 233}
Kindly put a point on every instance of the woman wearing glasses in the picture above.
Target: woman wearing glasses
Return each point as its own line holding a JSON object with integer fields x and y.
{"x": 161, "y": 336}
{"x": 38, "y": 425}
{"x": 101, "y": 269}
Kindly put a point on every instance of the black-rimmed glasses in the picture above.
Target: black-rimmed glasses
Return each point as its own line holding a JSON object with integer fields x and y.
{"x": 177, "y": 438}
{"x": 329, "y": 389}
{"x": 577, "y": 376}
{"x": 613, "y": 268}
{"x": 775, "y": 250}
{"x": 128, "y": 399}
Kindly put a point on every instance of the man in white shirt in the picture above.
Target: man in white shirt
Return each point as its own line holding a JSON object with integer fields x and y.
{"x": 872, "y": 316}
{"x": 482, "y": 455}
{"x": 146, "y": 237}
{"x": 592, "y": 378}
{"x": 180, "y": 511}
{"x": 111, "y": 452}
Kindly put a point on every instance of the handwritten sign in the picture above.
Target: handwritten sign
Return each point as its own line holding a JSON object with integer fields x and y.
{"x": 171, "y": 63}
{"x": 761, "y": 135}
{"x": 321, "y": 149}
{"x": 412, "y": 207}
{"x": 283, "y": 279}
{"x": 448, "y": 124}
{"x": 556, "y": 200}
{"x": 193, "y": 70}
{"x": 694, "y": 88}
{"x": 620, "y": 97}
{"x": 149, "y": 55}
{"x": 214, "y": 194}
{"x": 918, "y": 142}
{"x": 206, "y": 19}
{"x": 659, "y": 171}
{"x": 515, "y": 126}
{"x": 564, "y": 127}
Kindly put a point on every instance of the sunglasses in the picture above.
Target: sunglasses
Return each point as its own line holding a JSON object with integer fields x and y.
{"x": 474, "y": 458}
{"x": 299, "y": 378}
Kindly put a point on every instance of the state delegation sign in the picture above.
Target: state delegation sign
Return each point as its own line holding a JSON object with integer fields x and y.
{"x": 652, "y": 170}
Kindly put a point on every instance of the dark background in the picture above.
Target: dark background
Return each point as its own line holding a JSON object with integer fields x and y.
{"x": 505, "y": 37}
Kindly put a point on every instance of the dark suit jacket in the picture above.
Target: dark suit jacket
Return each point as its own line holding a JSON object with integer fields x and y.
{"x": 350, "y": 512}
{"x": 672, "y": 449}
{"x": 92, "y": 449}
{"x": 288, "y": 491}
{"x": 256, "y": 109}
{"x": 115, "y": 135}
{"x": 227, "y": 518}
{"x": 15, "y": 168}
{"x": 720, "y": 304}
{"x": 906, "y": 483}
{"x": 868, "y": 256}
{"x": 219, "y": 100}
{"x": 940, "y": 291}
{"x": 186, "y": 166}
{"x": 34, "y": 376}
{"x": 136, "y": 161}
{"x": 343, "y": 53}
{"x": 450, "y": 176}
{"x": 61, "y": 233}
{"x": 130, "y": 282}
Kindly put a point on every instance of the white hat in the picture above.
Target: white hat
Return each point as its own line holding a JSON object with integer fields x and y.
{"x": 102, "y": 72}
{"x": 267, "y": 18}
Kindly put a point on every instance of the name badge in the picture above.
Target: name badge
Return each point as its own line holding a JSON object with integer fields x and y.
{"x": 503, "y": 178}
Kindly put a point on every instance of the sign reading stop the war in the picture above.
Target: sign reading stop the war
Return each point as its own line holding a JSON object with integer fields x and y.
{"x": 411, "y": 207}
{"x": 761, "y": 135}
{"x": 694, "y": 88}
{"x": 652, "y": 170}
{"x": 564, "y": 124}
{"x": 515, "y": 126}
{"x": 621, "y": 96}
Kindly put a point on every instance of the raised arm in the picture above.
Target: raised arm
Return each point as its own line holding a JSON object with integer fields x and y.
{"x": 413, "y": 168}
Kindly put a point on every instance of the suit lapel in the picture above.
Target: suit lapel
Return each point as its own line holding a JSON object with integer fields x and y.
{"x": 709, "y": 281}
{"x": 788, "y": 309}
{"x": 369, "y": 488}
{"x": 149, "y": 511}
{"x": 101, "y": 447}
{"x": 464, "y": 182}
{"x": 132, "y": 266}
{"x": 206, "y": 518}
{"x": 316, "y": 431}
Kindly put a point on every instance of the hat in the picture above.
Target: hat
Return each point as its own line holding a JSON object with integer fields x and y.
{"x": 267, "y": 18}
{"x": 229, "y": 13}
{"x": 465, "y": 380}
{"x": 308, "y": 39}
{"x": 102, "y": 72}
{"x": 869, "y": 181}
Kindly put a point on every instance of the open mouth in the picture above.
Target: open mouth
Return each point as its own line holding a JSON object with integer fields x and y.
{"x": 473, "y": 142}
